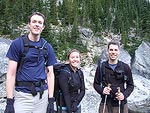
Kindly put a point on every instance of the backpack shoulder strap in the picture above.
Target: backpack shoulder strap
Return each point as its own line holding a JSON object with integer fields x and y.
{"x": 26, "y": 45}
{"x": 44, "y": 48}
{"x": 26, "y": 48}
{"x": 65, "y": 69}
{"x": 44, "y": 42}
{"x": 102, "y": 72}
{"x": 123, "y": 71}
{"x": 80, "y": 74}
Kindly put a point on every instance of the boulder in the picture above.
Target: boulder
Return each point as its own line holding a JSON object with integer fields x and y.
{"x": 4, "y": 45}
{"x": 141, "y": 62}
{"x": 139, "y": 100}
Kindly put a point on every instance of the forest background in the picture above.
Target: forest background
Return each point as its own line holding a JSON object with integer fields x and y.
{"x": 121, "y": 17}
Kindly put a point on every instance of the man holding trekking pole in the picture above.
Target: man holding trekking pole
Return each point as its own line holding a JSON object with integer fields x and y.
{"x": 113, "y": 81}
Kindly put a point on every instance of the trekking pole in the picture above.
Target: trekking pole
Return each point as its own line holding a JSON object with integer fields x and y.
{"x": 105, "y": 100}
{"x": 119, "y": 100}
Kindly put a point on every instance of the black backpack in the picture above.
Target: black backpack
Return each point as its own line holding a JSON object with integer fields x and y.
{"x": 26, "y": 48}
{"x": 59, "y": 67}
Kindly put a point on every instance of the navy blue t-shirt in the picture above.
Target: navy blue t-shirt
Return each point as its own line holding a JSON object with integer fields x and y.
{"x": 33, "y": 68}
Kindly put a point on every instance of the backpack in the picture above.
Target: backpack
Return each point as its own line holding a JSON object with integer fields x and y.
{"x": 26, "y": 48}
{"x": 59, "y": 67}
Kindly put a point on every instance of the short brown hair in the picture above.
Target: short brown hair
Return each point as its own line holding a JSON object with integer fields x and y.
{"x": 71, "y": 51}
{"x": 113, "y": 42}
{"x": 36, "y": 13}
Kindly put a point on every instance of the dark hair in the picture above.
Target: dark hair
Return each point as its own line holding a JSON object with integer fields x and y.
{"x": 113, "y": 43}
{"x": 36, "y": 13}
{"x": 71, "y": 51}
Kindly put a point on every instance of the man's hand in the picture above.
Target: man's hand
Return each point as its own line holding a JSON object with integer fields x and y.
{"x": 50, "y": 107}
{"x": 120, "y": 96}
{"x": 107, "y": 90}
{"x": 10, "y": 106}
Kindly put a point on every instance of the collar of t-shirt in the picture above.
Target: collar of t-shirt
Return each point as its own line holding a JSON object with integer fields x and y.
{"x": 112, "y": 66}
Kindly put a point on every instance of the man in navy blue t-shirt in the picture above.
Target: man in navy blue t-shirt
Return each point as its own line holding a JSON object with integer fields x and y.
{"x": 34, "y": 80}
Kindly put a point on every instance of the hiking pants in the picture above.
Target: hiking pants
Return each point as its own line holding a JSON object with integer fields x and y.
{"x": 114, "y": 109}
{"x": 26, "y": 103}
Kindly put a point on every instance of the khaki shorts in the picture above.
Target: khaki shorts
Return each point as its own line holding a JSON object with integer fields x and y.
{"x": 26, "y": 103}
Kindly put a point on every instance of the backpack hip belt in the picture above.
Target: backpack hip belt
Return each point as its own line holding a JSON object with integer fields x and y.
{"x": 33, "y": 86}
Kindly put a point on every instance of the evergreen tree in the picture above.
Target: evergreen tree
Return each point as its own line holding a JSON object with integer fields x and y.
{"x": 95, "y": 15}
{"x": 74, "y": 31}
{"x": 53, "y": 12}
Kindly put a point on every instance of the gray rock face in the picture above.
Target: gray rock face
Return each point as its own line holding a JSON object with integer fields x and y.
{"x": 4, "y": 45}
{"x": 2, "y": 90}
{"x": 139, "y": 100}
{"x": 141, "y": 65}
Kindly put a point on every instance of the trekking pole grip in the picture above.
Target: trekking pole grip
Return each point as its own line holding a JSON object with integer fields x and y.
{"x": 118, "y": 88}
{"x": 109, "y": 85}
